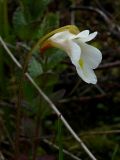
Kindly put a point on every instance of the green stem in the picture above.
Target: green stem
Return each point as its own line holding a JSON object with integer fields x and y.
{"x": 18, "y": 115}
{"x": 4, "y": 27}
{"x": 4, "y": 32}
{"x": 18, "y": 118}
{"x": 60, "y": 139}
{"x": 37, "y": 132}
{"x": 5, "y": 18}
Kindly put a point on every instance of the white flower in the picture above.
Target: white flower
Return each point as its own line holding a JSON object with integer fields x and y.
{"x": 83, "y": 56}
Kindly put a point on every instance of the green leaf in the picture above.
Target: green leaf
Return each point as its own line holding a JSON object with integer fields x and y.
{"x": 35, "y": 68}
{"x": 20, "y": 24}
{"x": 36, "y": 8}
{"x": 29, "y": 91}
{"x": 55, "y": 58}
{"x": 49, "y": 23}
{"x": 19, "y": 19}
{"x": 4, "y": 24}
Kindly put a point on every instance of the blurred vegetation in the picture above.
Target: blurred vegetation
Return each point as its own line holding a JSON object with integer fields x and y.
{"x": 91, "y": 110}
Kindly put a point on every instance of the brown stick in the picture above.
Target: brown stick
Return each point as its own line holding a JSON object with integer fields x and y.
{"x": 109, "y": 65}
{"x": 113, "y": 28}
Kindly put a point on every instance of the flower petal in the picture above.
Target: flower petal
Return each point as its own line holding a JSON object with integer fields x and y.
{"x": 82, "y": 34}
{"x": 70, "y": 47}
{"x": 87, "y": 37}
{"x": 86, "y": 73}
{"x": 91, "y": 36}
{"x": 73, "y": 50}
{"x": 91, "y": 55}
{"x": 60, "y": 36}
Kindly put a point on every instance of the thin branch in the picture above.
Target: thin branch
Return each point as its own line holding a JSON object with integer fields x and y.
{"x": 85, "y": 98}
{"x": 109, "y": 65}
{"x": 49, "y": 102}
{"x": 100, "y": 5}
{"x": 18, "y": 117}
{"x": 100, "y": 89}
{"x": 73, "y": 14}
{"x": 1, "y": 156}
{"x": 64, "y": 150}
{"x": 36, "y": 133}
{"x": 113, "y": 28}
{"x": 97, "y": 10}
{"x": 100, "y": 132}
{"x": 5, "y": 130}
{"x": 101, "y": 66}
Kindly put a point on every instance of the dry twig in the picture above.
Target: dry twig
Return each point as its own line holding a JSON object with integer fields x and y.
{"x": 113, "y": 28}
{"x": 64, "y": 150}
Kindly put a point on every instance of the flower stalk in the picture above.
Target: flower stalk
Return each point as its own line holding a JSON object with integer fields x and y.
{"x": 53, "y": 107}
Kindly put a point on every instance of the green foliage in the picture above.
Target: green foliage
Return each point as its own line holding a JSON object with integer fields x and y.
{"x": 21, "y": 27}
{"x": 55, "y": 58}
{"x": 28, "y": 20}
{"x": 33, "y": 10}
{"x": 35, "y": 68}
{"x": 49, "y": 22}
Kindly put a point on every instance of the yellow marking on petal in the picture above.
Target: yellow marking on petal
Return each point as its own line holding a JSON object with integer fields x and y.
{"x": 81, "y": 63}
